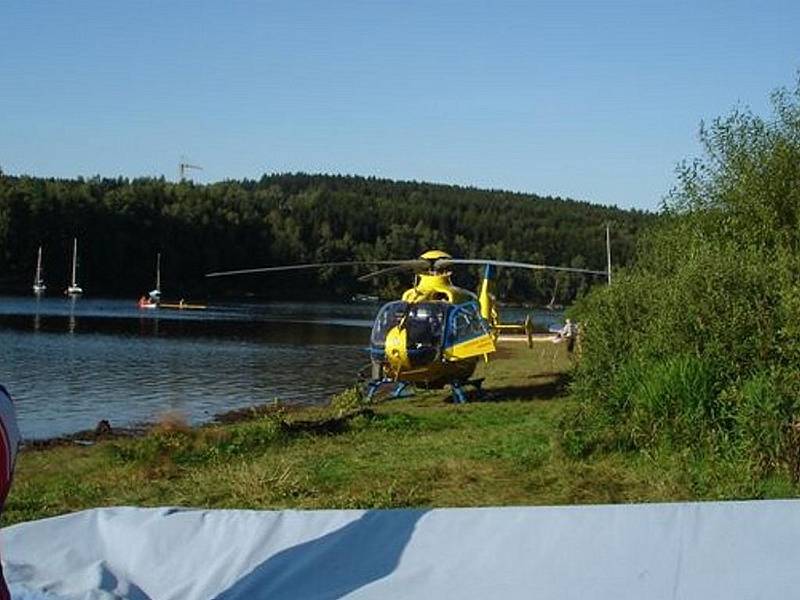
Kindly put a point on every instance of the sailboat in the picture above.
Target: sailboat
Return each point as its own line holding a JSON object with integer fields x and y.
{"x": 153, "y": 298}
{"x": 74, "y": 289}
{"x": 38, "y": 283}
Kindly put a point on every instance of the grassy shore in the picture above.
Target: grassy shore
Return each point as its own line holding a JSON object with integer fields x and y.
{"x": 420, "y": 451}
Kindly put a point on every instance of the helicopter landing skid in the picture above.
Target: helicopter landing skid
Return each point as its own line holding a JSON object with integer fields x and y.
{"x": 402, "y": 389}
{"x": 459, "y": 395}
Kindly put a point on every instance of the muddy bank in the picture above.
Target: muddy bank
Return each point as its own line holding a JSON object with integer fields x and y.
{"x": 105, "y": 429}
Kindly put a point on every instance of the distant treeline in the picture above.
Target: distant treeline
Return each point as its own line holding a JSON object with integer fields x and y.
{"x": 281, "y": 219}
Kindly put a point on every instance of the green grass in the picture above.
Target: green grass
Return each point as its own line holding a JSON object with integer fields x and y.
{"x": 422, "y": 451}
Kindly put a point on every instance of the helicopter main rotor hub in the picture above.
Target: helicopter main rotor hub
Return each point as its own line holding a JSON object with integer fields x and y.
{"x": 433, "y": 258}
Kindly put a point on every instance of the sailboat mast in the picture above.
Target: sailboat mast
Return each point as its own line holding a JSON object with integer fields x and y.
{"x": 38, "y": 280}
{"x": 158, "y": 272}
{"x": 74, "y": 261}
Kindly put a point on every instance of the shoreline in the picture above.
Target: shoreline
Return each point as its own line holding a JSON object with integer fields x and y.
{"x": 106, "y": 431}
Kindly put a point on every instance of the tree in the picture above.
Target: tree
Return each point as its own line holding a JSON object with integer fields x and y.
{"x": 698, "y": 344}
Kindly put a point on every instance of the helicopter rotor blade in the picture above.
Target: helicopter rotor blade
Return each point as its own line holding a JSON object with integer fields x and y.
{"x": 443, "y": 262}
{"x": 346, "y": 263}
{"x": 416, "y": 265}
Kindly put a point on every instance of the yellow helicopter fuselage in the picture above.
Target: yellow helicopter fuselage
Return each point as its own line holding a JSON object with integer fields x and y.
{"x": 436, "y": 333}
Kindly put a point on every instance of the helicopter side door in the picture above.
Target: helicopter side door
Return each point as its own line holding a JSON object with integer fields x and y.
{"x": 467, "y": 333}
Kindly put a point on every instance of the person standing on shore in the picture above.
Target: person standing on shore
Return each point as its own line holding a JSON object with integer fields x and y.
{"x": 568, "y": 333}
{"x": 9, "y": 441}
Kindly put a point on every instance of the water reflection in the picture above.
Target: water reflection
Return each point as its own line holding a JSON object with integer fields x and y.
{"x": 37, "y": 317}
{"x": 71, "y": 322}
{"x": 148, "y": 326}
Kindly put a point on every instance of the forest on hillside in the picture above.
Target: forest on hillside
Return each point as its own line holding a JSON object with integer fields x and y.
{"x": 121, "y": 225}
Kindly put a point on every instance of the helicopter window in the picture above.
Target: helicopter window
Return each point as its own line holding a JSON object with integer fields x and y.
{"x": 388, "y": 317}
{"x": 465, "y": 323}
{"x": 425, "y": 324}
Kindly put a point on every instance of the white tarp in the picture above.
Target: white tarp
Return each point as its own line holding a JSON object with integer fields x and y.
{"x": 725, "y": 550}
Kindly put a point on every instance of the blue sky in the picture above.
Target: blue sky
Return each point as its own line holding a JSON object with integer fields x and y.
{"x": 592, "y": 100}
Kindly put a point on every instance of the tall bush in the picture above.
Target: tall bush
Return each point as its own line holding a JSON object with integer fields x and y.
{"x": 699, "y": 342}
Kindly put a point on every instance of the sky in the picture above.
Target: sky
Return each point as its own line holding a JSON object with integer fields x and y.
{"x": 593, "y": 100}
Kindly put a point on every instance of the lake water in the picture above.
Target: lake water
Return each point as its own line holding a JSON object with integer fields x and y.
{"x": 70, "y": 363}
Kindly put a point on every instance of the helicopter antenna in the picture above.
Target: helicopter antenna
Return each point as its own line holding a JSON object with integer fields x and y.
{"x": 608, "y": 252}
{"x": 184, "y": 166}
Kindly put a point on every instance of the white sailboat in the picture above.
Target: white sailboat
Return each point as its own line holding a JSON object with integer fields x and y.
{"x": 74, "y": 289}
{"x": 38, "y": 283}
{"x": 153, "y": 299}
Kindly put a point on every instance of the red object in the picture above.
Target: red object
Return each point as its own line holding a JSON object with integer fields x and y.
{"x": 9, "y": 441}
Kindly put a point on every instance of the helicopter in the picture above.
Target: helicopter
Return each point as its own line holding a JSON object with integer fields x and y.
{"x": 436, "y": 333}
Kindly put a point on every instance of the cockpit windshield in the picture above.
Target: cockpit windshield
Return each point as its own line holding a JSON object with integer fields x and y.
{"x": 424, "y": 323}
